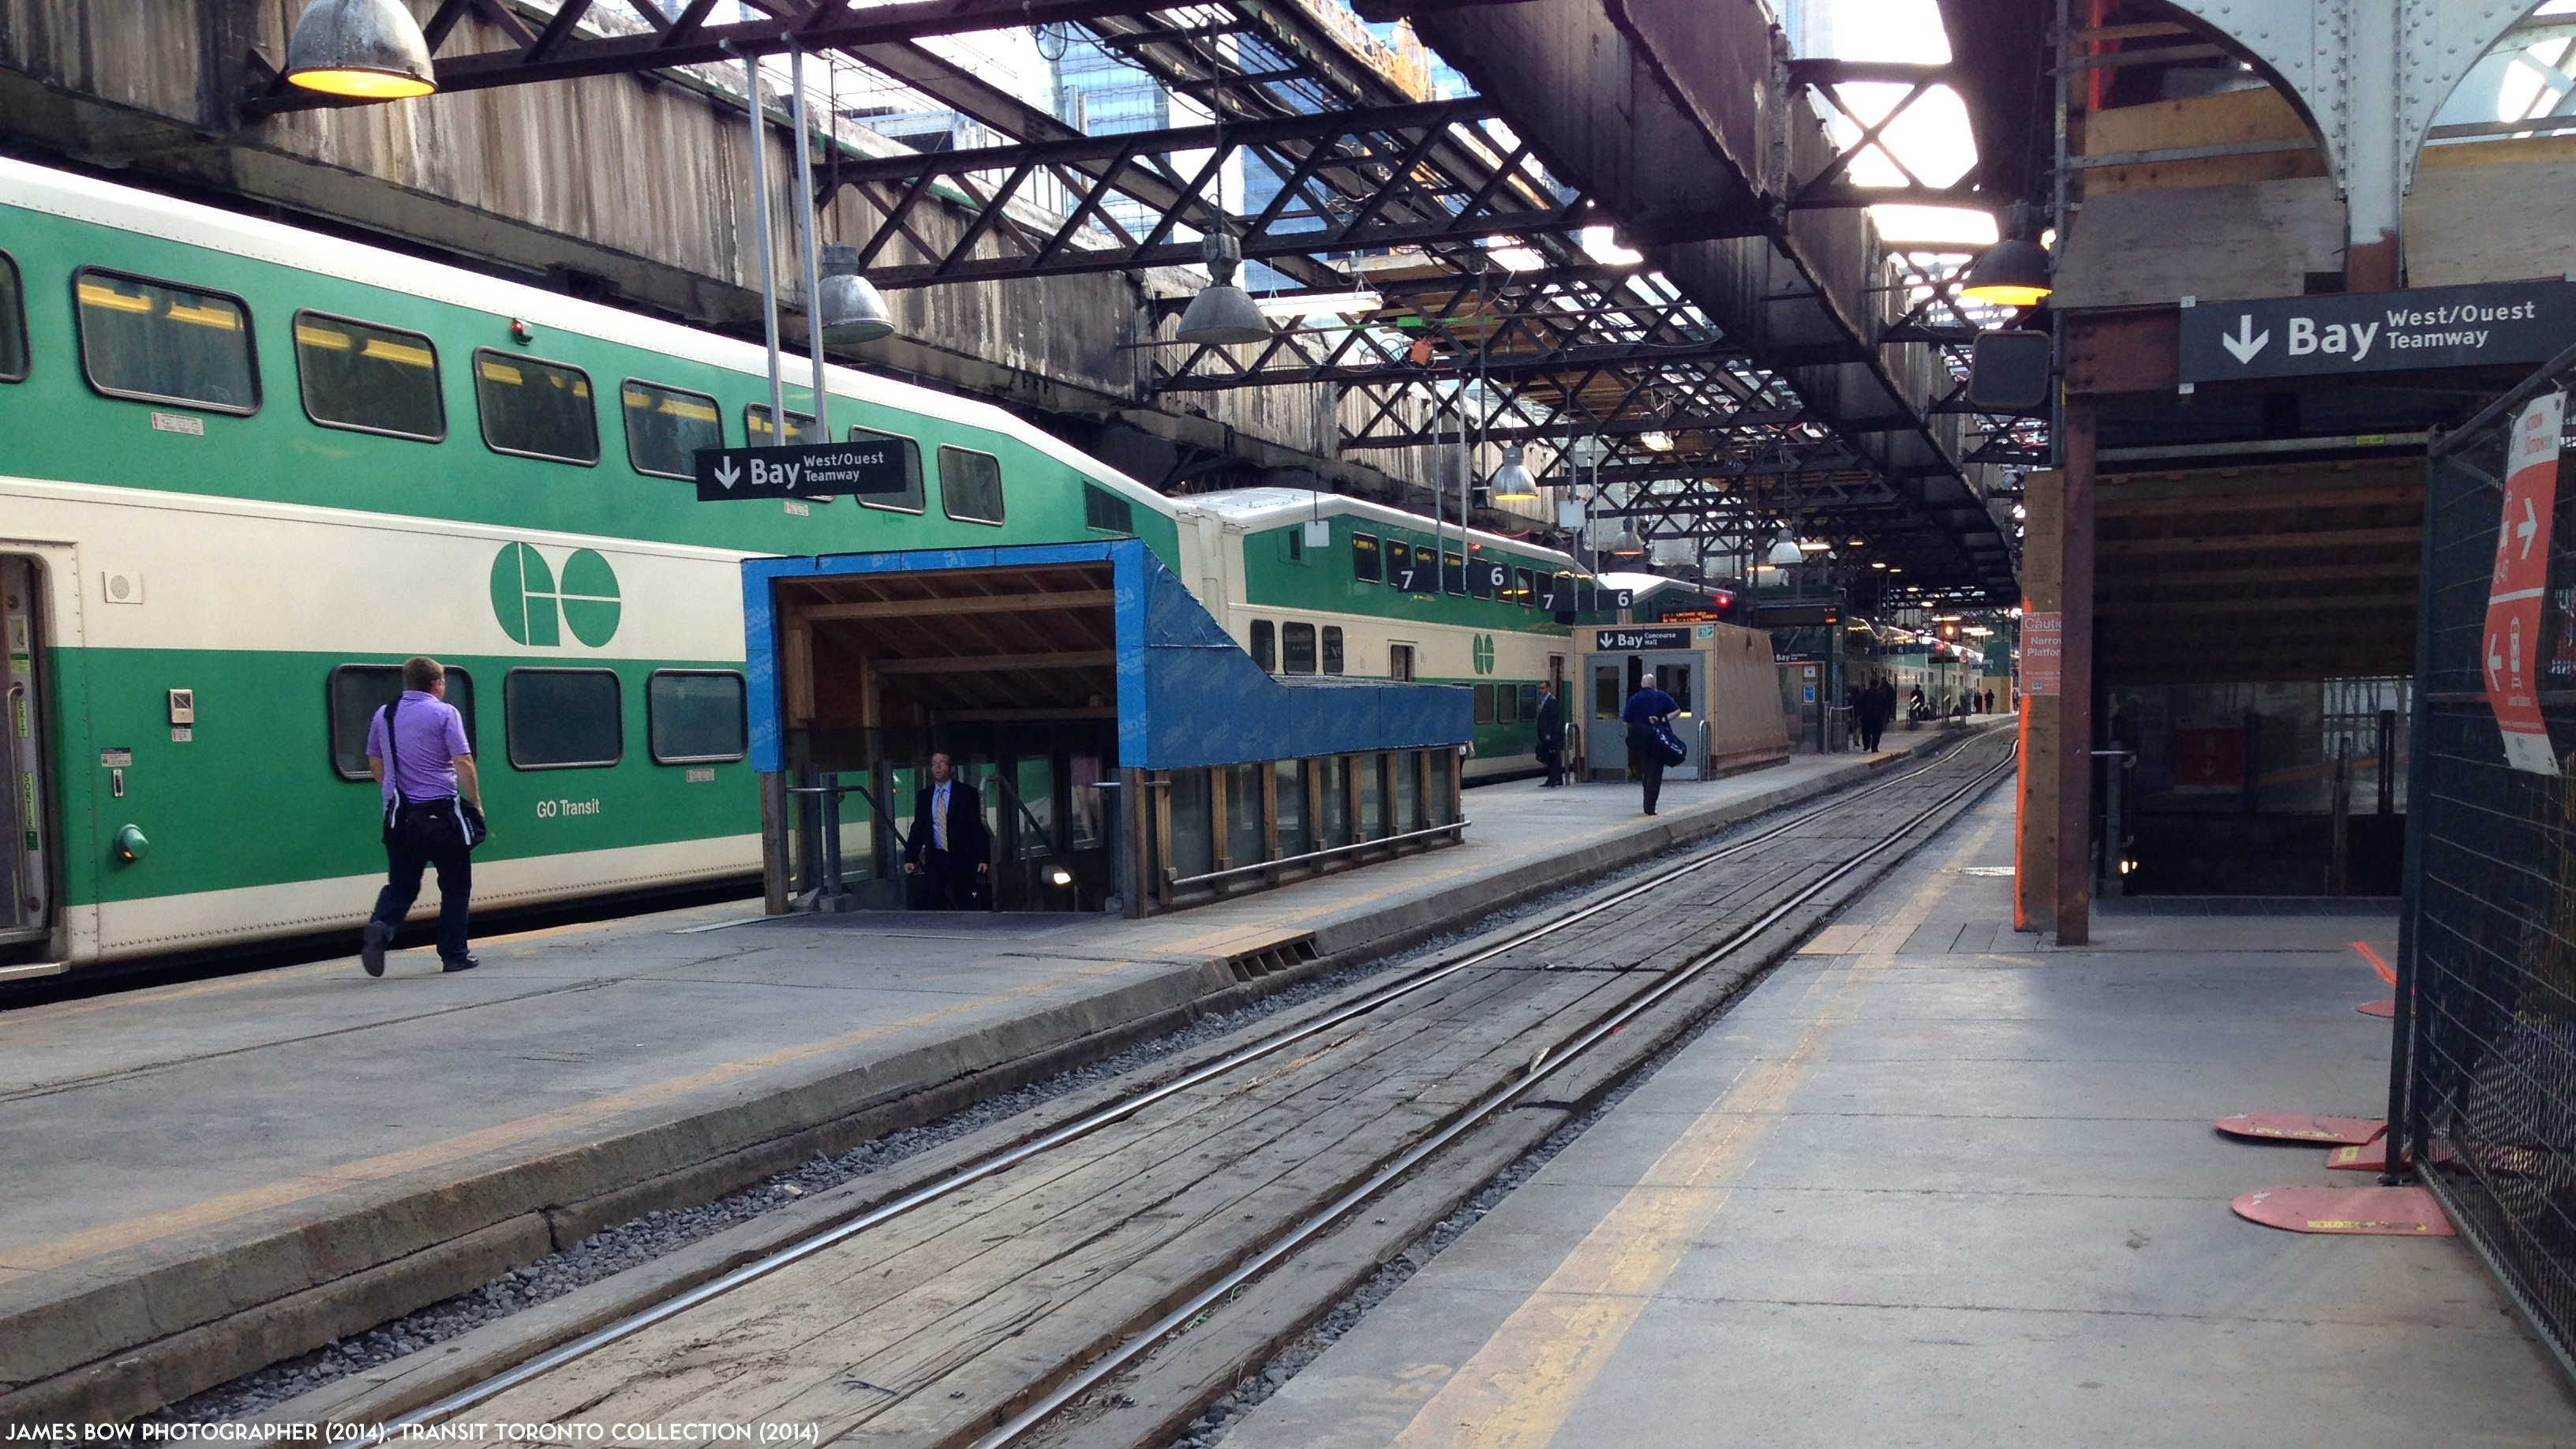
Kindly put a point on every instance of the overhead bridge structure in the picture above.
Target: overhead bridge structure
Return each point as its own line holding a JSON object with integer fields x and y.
{"x": 1765, "y": 365}
{"x": 1692, "y": 126}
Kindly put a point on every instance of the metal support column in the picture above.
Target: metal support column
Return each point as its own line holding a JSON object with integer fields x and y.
{"x": 768, "y": 267}
{"x": 773, "y": 843}
{"x": 808, "y": 244}
{"x": 2075, "y": 682}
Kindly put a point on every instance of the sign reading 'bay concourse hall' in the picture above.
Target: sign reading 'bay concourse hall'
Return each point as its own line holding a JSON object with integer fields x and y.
{"x": 2494, "y": 322}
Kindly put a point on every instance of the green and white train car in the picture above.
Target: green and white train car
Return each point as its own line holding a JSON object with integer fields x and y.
{"x": 1310, "y": 586}
{"x": 250, "y": 469}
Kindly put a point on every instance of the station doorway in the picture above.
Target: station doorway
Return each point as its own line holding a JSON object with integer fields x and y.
{"x": 27, "y": 875}
{"x": 1011, "y": 672}
{"x": 1613, "y": 678}
{"x": 2254, "y": 642}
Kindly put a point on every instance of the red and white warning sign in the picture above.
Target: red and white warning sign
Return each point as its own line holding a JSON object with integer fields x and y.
{"x": 2520, "y": 581}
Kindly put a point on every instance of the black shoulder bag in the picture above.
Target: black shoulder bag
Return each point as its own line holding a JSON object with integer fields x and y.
{"x": 428, "y": 828}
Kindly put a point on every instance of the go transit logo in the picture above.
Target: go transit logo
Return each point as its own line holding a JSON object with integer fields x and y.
{"x": 533, "y": 609}
{"x": 1484, "y": 653}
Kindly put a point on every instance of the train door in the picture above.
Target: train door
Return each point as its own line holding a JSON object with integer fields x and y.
{"x": 27, "y": 876}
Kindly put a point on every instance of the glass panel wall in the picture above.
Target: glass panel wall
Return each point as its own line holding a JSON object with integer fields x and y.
{"x": 1193, "y": 850}
{"x": 1292, "y": 808}
{"x": 1243, "y": 815}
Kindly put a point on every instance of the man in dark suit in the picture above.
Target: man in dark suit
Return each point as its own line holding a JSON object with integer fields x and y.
{"x": 1551, "y": 734}
{"x": 949, "y": 854}
{"x": 1877, "y": 703}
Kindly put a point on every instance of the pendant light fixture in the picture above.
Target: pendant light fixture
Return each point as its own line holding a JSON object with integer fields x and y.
{"x": 2014, "y": 271}
{"x": 1512, "y": 481}
{"x": 853, "y": 310}
{"x": 1222, "y": 313}
{"x": 368, "y": 50}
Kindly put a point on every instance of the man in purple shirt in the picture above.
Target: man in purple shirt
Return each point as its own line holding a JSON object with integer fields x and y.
{"x": 432, "y": 765}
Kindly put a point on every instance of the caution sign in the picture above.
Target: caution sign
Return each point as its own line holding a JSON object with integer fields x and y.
{"x": 2520, "y": 580}
{"x": 2043, "y": 651}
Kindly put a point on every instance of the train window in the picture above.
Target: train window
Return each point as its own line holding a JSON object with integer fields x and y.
{"x": 1106, "y": 511}
{"x": 13, "y": 323}
{"x": 1453, "y": 572}
{"x": 1296, "y": 543}
{"x": 908, "y": 501}
{"x": 1529, "y": 701}
{"x": 1399, "y": 561}
{"x": 665, "y": 428}
{"x": 563, "y": 719}
{"x": 694, "y": 716}
{"x": 1332, "y": 648}
{"x": 1297, "y": 648}
{"x": 536, "y": 409}
{"x": 970, "y": 485}
{"x": 155, "y": 342}
{"x": 367, "y": 378}
{"x": 357, "y": 691}
{"x": 1365, "y": 564}
{"x": 758, "y": 433}
{"x": 1507, "y": 702}
{"x": 1484, "y": 704}
{"x": 1399, "y": 661}
{"x": 1265, "y": 645}
{"x": 1524, "y": 587}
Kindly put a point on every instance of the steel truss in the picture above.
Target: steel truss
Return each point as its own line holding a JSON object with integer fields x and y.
{"x": 1360, "y": 180}
{"x": 1703, "y": 442}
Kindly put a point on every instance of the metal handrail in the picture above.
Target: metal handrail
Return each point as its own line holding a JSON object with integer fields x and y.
{"x": 1177, "y": 882}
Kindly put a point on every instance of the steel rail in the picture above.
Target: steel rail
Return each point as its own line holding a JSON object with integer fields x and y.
{"x": 1114, "y": 1112}
{"x": 1600, "y": 1031}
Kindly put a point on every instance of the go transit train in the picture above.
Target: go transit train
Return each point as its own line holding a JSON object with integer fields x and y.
{"x": 250, "y": 469}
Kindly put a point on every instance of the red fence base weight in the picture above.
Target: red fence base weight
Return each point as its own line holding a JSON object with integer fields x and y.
{"x": 2369, "y": 1157}
{"x": 2387, "y": 1007}
{"x": 2394, "y": 1212}
{"x": 2300, "y": 1127}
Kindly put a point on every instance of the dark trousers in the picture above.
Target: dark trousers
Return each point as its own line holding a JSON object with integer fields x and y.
{"x": 1653, "y": 770}
{"x": 945, "y": 882}
{"x": 1555, "y": 762}
{"x": 1870, "y": 730}
{"x": 402, "y": 887}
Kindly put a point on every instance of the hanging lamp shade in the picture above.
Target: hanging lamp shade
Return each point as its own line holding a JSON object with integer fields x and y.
{"x": 1785, "y": 550}
{"x": 369, "y": 50}
{"x": 851, "y": 308}
{"x": 1627, "y": 544}
{"x": 1222, "y": 313}
{"x": 2014, "y": 271}
{"x": 1512, "y": 480}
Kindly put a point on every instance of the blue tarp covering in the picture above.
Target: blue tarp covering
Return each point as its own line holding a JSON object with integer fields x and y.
{"x": 1187, "y": 693}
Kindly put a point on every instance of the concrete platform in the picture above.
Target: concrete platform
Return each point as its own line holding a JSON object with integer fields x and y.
{"x": 207, "y": 1178}
{"x": 1932, "y": 1185}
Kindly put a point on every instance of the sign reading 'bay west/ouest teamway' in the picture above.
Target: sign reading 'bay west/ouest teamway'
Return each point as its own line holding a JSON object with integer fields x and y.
{"x": 2493, "y": 322}
{"x": 802, "y": 470}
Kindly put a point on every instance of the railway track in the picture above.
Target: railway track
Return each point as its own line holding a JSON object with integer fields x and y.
{"x": 1102, "y": 1281}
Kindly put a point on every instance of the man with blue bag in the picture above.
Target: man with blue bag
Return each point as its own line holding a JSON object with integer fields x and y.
{"x": 1652, "y": 745}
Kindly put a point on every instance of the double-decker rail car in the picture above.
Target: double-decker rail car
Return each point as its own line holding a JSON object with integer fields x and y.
{"x": 251, "y": 469}
{"x": 1325, "y": 584}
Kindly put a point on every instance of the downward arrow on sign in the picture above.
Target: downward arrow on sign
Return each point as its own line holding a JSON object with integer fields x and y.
{"x": 727, "y": 474}
{"x": 2247, "y": 341}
